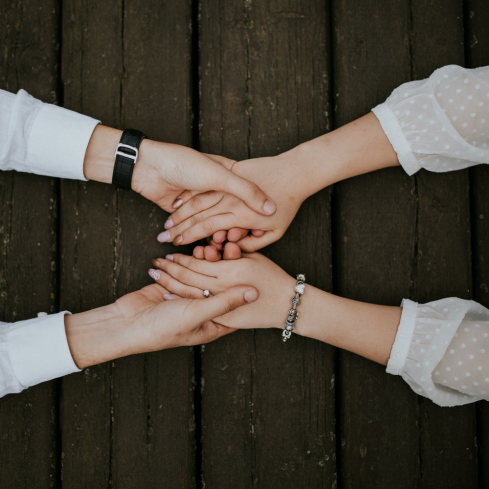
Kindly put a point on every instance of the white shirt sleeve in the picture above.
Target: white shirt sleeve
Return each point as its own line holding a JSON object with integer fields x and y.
{"x": 442, "y": 350}
{"x": 42, "y": 138}
{"x": 441, "y": 123}
{"x": 32, "y": 352}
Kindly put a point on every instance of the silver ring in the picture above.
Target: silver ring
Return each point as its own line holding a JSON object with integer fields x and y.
{"x": 206, "y": 293}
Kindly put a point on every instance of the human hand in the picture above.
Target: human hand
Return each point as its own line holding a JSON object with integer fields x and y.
{"x": 214, "y": 213}
{"x": 186, "y": 276}
{"x": 163, "y": 171}
{"x": 144, "y": 321}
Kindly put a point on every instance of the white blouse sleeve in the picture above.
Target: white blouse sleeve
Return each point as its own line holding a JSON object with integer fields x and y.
{"x": 441, "y": 123}
{"x": 42, "y": 138}
{"x": 32, "y": 352}
{"x": 442, "y": 350}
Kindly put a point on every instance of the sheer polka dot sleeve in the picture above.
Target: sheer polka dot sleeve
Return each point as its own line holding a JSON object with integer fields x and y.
{"x": 442, "y": 350}
{"x": 441, "y": 123}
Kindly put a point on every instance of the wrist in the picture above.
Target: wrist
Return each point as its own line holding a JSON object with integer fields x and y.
{"x": 99, "y": 335}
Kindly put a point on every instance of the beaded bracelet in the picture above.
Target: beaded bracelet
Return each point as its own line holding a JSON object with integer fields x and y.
{"x": 293, "y": 314}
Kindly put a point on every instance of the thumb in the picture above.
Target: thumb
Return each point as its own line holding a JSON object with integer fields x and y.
{"x": 225, "y": 302}
{"x": 252, "y": 195}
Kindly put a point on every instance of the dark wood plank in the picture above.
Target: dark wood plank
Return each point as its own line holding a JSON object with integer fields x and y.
{"x": 375, "y": 237}
{"x": 134, "y": 416}
{"x": 268, "y": 408}
{"x": 442, "y": 267}
{"x": 154, "y": 428}
{"x": 28, "y": 250}
{"x": 477, "y": 54}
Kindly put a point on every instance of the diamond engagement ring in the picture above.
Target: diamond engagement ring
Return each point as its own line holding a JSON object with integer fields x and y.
{"x": 206, "y": 293}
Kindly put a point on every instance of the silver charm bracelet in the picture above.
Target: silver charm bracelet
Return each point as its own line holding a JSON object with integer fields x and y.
{"x": 293, "y": 314}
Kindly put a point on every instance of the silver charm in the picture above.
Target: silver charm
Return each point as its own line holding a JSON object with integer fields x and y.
{"x": 293, "y": 314}
{"x": 206, "y": 293}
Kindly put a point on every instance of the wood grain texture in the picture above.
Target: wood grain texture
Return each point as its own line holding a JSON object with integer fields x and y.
{"x": 29, "y": 37}
{"x": 477, "y": 54}
{"x": 268, "y": 407}
{"x": 128, "y": 423}
{"x": 375, "y": 238}
{"x": 442, "y": 260}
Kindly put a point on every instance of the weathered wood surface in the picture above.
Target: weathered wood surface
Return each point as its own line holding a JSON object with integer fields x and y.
{"x": 258, "y": 77}
{"x": 268, "y": 408}
{"x": 29, "y": 254}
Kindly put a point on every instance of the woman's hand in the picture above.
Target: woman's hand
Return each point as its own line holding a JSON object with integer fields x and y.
{"x": 163, "y": 171}
{"x": 144, "y": 321}
{"x": 205, "y": 214}
{"x": 186, "y": 276}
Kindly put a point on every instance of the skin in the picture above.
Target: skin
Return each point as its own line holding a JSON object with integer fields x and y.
{"x": 289, "y": 178}
{"x": 365, "y": 329}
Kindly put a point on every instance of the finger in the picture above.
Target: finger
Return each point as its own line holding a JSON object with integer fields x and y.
{"x": 245, "y": 190}
{"x": 232, "y": 251}
{"x": 217, "y": 246}
{"x": 174, "y": 286}
{"x": 198, "y": 252}
{"x": 211, "y": 331}
{"x": 258, "y": 233}
{"x": 202, "y": 229}
{"x": 219, "y": 236}
{"x": 185, "y": 275}
{"x": 236, "y": 234}
{"x": 193, "y": 264}
{"x": 223, "y": 303}
{"x": 183, "y": 198}
{"x": 251, "y": 243}
{"x": 195, "y": 205}
{"x": 211, "y": 254}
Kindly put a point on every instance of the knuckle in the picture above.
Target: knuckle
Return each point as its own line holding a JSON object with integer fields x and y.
{"x": 195, "y": 219}
{"x": 208, "y": 227}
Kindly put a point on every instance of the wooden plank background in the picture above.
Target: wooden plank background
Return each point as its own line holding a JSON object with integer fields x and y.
{"x": 243, "y": 78}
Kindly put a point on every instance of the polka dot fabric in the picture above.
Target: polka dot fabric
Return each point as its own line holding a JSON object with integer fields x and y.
{"x": 441, "y": 123}
{"x": 442, "y": 350}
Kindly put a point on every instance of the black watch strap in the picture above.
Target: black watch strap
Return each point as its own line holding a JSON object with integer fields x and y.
{"x": 126, "y": 156}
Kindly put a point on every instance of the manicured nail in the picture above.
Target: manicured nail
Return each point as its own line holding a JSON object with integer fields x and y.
{"x": 163, "y": 237}
{"x": 269, "y": 207}
{"x": 169, "y": 257}
{"x": 251, "y": 296}
{"x": 154, "y": 274}
{"x": 169, "y": 297}
{"x": 178, "y": 240}
{"x": 178, "y": 203}
{"x": 169, "y": 223}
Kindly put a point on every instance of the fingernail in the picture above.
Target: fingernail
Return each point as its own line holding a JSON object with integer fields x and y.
{"x": 168, "y": 297}
{"x": 178, "y": 240}
{"x": 154, "y": 274}
{"x": 269, "y": 207}
{"x": 178, "y": 203}
{"x": 163, "y": 237}
{"x": 251, "y": 296}
{"x": 169, "y": 257}
{"x": 169, "y": 223}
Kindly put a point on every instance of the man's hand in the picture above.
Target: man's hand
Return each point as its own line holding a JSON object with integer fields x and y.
{"x": 164, "y": 171}
{"x": 146, "y": 320}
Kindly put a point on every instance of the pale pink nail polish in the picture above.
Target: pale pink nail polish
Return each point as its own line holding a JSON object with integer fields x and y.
{"x": 169, "y": 297}
{"x": 154, "y": 274}
{"x": 269, "y": 207}
{"x": 163, "y": 237}
{"x": 178, "y": 203}
{"x": 178, "y": 240}
{"x": 169, "y": 223}
{"x": 169, "y": 257}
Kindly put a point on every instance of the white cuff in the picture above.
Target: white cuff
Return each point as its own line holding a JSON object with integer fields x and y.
{"x": 403, "y": 339}
{"x": 58, "y": 142}
{"x": 39, "y": 351}
{"x": 396, "y": 137}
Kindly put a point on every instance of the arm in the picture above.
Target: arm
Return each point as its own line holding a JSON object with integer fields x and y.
{"x": 439, "y": 124}
{"x": 41, "y": 349}
{"x": 439, "y": 349}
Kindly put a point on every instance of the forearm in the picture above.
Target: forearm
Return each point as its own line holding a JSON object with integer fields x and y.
{"x": 368, "y": 330}
{"x": 98, "y": 336}
{"x": 354, "y": 149}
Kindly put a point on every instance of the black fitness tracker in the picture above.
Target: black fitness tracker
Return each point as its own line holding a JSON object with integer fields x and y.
{"x": 126, "y": 156}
